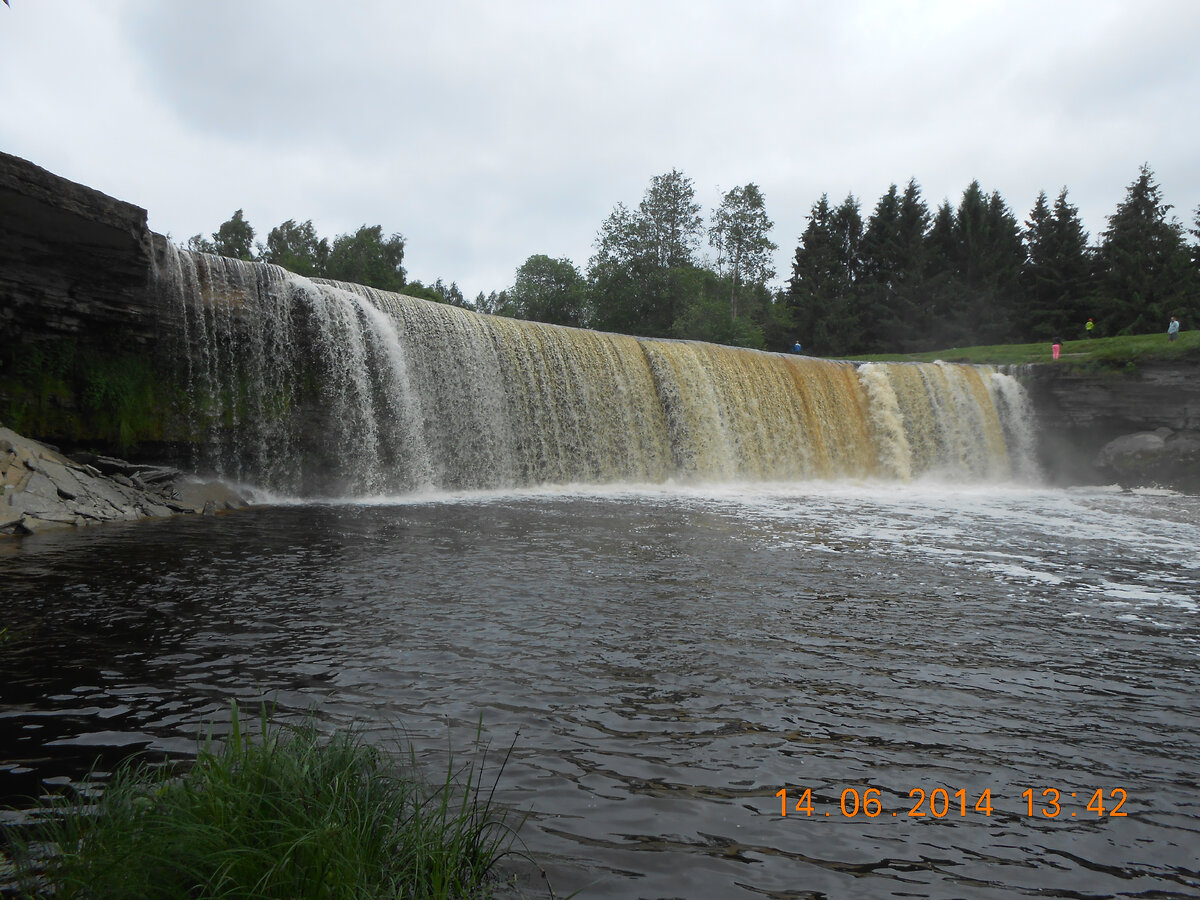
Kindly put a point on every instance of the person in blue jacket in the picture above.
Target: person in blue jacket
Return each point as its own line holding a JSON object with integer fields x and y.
{"x": 796, "y": 348}
{"x": 1173, "y": 329}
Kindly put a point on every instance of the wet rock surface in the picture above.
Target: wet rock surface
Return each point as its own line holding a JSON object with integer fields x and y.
{"x": 1163, "y": 456}
{"x": 1136, "y": 429}
{"x": 42, "y": 489}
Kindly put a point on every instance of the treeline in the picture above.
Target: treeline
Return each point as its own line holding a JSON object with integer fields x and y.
{"x": 907, "y": 280}
{"x": 649, "y": 276}
{"x": 365, "y": 257}
{"x": 904, "y": 279}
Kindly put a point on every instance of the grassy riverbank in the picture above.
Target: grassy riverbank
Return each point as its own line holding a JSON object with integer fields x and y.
{"x": 283, "y": 813}
{"x": 1116, "y": 353}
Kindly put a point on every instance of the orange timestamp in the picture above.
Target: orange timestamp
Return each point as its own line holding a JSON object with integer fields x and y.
{"x": 940, "y": 803}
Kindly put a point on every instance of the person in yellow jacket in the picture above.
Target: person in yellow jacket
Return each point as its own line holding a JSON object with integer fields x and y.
{"x": 1089, "y": 326}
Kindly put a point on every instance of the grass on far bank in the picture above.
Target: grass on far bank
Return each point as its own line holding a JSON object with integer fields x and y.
{"x": 286, "y": 813}
{"x": 1115, "y": 353}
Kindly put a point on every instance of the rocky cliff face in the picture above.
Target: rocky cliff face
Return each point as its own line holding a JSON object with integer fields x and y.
{"x": 1111, "y": 403}
{"x": 73, "y": 263}
{"x": 1088, "y": 422}
{"x": 81, "y": 355}
{"x": 41, "y": 489}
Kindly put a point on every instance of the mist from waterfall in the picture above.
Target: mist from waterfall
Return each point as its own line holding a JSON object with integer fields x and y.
{"x": 320, "y": 388}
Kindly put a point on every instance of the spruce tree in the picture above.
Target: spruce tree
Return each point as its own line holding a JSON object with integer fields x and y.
{"x": 890, "y": 290}
{"x": 820, "y": 291}
{"x": 977, "y": 254}
{"x": 1145, "y": 272}
{"x": 944, "y": 290}
{"x": 1056, "y": 277}
{"x": 877, "y": 299}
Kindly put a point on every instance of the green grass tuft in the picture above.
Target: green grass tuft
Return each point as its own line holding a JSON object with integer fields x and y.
{"x": 286, "y": 813}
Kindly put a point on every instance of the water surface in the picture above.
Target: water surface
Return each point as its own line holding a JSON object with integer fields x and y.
{"x": 669, "y": 659}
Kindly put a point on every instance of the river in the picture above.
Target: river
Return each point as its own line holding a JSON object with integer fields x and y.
{"x": 667, "y": 660}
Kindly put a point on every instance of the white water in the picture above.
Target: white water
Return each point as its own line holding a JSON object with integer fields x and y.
{"x": 311, "y": 387}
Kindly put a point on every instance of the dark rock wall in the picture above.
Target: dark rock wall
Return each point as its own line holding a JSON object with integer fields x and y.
{"x": 82, "y": 362}
{"x": 73, "y": 262}
{"x": 1152, "y": 396}
{"x": 1079, "y": 413}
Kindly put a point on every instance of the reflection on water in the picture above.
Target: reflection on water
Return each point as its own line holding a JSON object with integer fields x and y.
{"x": 671, "y": 660}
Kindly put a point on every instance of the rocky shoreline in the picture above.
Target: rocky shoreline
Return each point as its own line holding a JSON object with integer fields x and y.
{"x": 42, "y": 489}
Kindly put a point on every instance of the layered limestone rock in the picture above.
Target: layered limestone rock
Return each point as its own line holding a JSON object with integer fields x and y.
{"x": 1155, "y": 395}
{"x": 73, "y": 263}
{"x": 42, "y": 489}
{"x": 1133, "y": 427}
{"x": 86, "y": 351}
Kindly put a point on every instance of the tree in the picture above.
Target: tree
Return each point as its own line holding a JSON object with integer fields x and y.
{"x": 296, "y": 248}
{"x": 821, "y": 289}
{"x": 450, "y": 294}
{"x": 422, "y": 292}
{"x": 1196, "y": 234}
{"x": 198, "y": 243}
{"x": 669, "y": 220}
{"x": 235, "y": 238}
{"x": 1056, "y": 278}
{"x": 365, "y": 257}
{"x": 944, "y": 287}
{"x": 549, "y": 290}
{"x": 975, "y": 255}
{"x": 739, "y": 235}
{"x": 892, "y": 302}
{"x": 847, "y": 228}
{"x": 616, "y": 274}
{"x": 706, "y": 314}
{"x": 1144, "y": 267}
{"x": 640, "y": 275}
{"x": 495, "y": 304}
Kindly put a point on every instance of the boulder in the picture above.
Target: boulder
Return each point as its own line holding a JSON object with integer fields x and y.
{"x": 194, "y": 495}
{"x": 1162, "y": 457}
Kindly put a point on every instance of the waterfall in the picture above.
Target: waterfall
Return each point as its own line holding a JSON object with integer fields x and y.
{"x": 315, "y": 387}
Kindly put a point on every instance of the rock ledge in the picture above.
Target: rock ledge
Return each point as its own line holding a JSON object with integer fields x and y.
{"x": 41, "y": 489}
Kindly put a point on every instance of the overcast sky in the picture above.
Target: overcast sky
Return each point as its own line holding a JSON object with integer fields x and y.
{"x": 485, "y": 132}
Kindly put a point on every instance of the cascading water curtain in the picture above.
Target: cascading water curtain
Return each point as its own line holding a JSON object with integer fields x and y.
{"x": 319, "y": 388}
